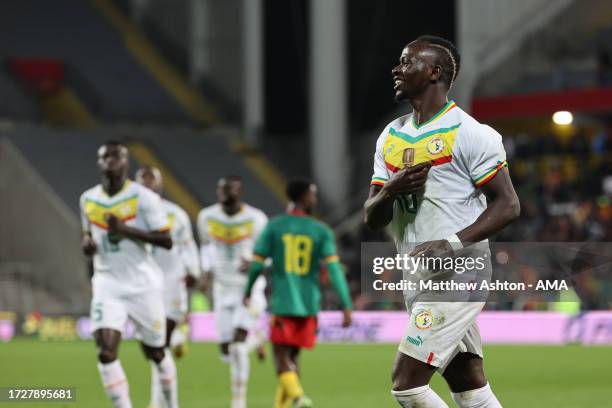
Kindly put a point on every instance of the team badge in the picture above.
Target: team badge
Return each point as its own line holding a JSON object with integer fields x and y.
{"x": 435, "y": 145}
{"x": 423, "y": 320}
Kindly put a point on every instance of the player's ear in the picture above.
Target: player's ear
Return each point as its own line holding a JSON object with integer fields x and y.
{"x": 436, "y": 73}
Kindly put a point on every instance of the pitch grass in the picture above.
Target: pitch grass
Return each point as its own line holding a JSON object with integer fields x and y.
{"x": 334, "y": 376}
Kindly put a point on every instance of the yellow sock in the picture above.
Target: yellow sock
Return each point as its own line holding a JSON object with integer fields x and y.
{"x": 279, "y": 398}
{"x": 291, "y": 385}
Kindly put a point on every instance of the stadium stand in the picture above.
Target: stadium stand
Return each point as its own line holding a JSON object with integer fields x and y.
{"x": 66, "y": 159}
{"x": 36, "y": 270}
{"x": 98, "y": 64}
{"x": 565, "y": 53}
{"x": 15, "y": 102}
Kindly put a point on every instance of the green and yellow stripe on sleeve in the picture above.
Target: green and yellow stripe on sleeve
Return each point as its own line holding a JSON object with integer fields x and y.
{"x": 490, "y": 174}
{"x": 258, "y": 258}
{"x": 378, "y": 181}
{"x": 331, "y": 259}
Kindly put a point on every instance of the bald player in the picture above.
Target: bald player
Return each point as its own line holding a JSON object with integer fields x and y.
{"x": 180, "y": 266}
{"x": 122, "y": 221}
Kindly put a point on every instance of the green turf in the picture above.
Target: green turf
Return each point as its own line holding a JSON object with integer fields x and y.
{"x": 334, "y": 376}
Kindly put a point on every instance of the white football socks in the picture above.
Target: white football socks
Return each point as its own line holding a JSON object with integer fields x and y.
{"x": 421, "y": 397}
{"x": 156, "y": 392}
{"x": 115, "y": 384}
{"x": 239, "y": 372}
{"x": 478, "y": 398}
{"x": 168, "y": 380}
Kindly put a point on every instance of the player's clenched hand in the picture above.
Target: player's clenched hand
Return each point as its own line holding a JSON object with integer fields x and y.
{"x": 190, "y": 280}
{"x": 88, "y": 245}
{"x": 409, "y": 180}
{"x": 115, "y": 225}
{"x": 347, "y": 317}
{"x": 433, "y": 249}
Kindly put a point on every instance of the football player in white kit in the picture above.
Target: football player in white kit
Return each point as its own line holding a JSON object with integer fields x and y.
{"x": 434, "y": 171}
{"x": 121, "y": 221}
{"x": 180, "y": 266}
{"x": 228, "y": 231}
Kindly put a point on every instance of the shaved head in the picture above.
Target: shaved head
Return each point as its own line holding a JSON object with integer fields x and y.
{"x": 150, "y": 177}
{"x": 447, "y": 56}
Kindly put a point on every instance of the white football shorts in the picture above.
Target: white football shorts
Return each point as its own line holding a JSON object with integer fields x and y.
{"x": 438, "y": 331}
{"x": 145, "y": 309}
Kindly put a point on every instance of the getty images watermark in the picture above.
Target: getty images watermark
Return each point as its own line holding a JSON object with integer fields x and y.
{"x": 483, "y": 271}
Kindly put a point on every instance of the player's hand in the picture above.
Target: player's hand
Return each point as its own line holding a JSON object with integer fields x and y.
{"x": 88, "y": 245}
{"x": 347, "y": 317}
{"x": 115, "y": 225}
{"x": 433, "y": 249}
{"x": 190, "y": 281}
{"x": 244, "y": 265}
{"x": 409, "y": 180}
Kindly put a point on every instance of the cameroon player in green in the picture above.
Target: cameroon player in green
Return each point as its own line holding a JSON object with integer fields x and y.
{"x": 298, "y": 245}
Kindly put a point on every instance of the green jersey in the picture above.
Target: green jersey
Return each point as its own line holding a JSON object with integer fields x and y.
{"x": 298, "y": 245}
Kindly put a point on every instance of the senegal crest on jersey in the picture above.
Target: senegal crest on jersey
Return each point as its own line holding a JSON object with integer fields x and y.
{"x": 435, "y": 145}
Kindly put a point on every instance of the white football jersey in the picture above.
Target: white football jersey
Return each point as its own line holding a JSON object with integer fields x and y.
{"x": 127, "y": 265}
{"x": 183, "y": 257}
{"x": 228, "y": 239}
{"x": 465, "y": 155}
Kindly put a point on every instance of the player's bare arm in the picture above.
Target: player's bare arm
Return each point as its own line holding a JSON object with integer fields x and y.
{"x": 120, "y": 228}
{"x": 503, "y": 208}
{"x": 207, "y": 281}
{"x": 379, "y": 205}
{"x": 88, "y": 245}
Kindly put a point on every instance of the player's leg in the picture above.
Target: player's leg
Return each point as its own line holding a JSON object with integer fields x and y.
{"x": 148, "y": 314}
{"x": 434, "y": 331}
{"x": 112, "y": 374}
{"x": 244, "y": 321}
{"x": 239, "y": 367}
{"x": 465, "y": 374}
{"x": 156, "y": 391}
{"x": 411, "y": 383}
{"x": 288, "y": 334}
{"x": 257, "y": 306}
{"x": 295, "y": 358}
{"x": 176, "y": 310}
{"x": 225, "y": 330}
{"x": 163, "y": 362}
{"x": 288, "y": 378}
{"x": 179, "y": 342}
{"x": 170, "y": 326}
{"x": 108, "y": 318}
